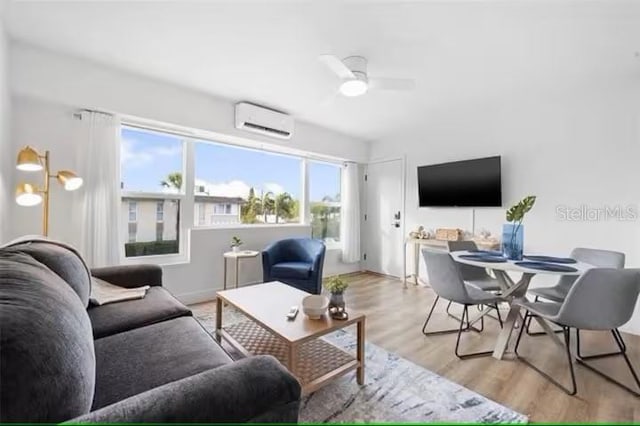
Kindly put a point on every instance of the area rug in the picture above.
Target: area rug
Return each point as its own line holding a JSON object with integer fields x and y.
{"x": 395, "y": 390}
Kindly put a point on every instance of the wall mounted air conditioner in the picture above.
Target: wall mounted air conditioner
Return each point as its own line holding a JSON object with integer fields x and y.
{"x": 257, "y": 119}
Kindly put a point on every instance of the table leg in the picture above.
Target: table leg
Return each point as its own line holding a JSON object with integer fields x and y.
{"x": 416, "y": 262}
{"x": 292, "y": 362}
{"x": 360, "y": 353}
{"x": 225, "y": 272}
{"x": 237, "y": 271}
{"x": 404, "y": 265}
{"x": 547, "y": 328}
{"x": 218, "y": 319}
{"x": 513, "y": 291}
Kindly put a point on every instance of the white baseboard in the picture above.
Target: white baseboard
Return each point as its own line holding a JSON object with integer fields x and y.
{"x": 204, "y": 295}
{"x": 197, "y": 296}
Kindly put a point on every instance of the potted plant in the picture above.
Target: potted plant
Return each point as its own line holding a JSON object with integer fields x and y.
{"x": 513, "y": 232}
{"x": 235, "y": 244}
{"x": 336, "y": 286}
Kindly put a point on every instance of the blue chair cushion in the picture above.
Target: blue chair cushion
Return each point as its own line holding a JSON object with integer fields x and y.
{"x": 299, "y": 270}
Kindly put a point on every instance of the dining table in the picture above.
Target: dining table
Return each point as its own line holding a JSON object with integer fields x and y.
{"x": 516, "y": 290}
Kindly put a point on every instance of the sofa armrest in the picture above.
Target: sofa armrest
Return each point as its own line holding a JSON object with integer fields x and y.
{"x": 256, "y": 389}
{"x": 129, "y": 276}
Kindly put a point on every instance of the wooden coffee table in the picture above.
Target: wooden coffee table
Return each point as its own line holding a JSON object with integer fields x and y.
{"x": 296, "y": 344}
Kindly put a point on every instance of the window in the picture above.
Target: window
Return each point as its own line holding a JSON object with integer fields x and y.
{"x": 247, "y": 186}
{"x": 228, "y": 185}
{"x": 152, "y": 188}
{"x": 324, "y": 197}
{"x": 133, "y": 211}
{"x": 160, "y": 211}
{"x": 201, "y": 208}
{"x": 132, "y": 232}
{"x": 159, "y": 231}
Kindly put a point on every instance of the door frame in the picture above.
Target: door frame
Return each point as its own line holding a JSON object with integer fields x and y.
{"x": 403, "y": 186}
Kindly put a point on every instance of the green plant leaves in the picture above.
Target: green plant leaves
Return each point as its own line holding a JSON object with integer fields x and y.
{"x": 516, "y": 212}
{"x": 336, "y": 284}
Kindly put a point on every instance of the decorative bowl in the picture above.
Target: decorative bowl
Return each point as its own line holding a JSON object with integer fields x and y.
{"x": 315, "y": 306}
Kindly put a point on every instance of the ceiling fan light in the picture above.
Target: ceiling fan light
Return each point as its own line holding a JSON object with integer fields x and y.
{"x": 354, "y": 87}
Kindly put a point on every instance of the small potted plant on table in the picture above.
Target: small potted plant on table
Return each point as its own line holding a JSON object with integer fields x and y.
{"x": 235, "y": 244}
{"x": 336, "y": 286}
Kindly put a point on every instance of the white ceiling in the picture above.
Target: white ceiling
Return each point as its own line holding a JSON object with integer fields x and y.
{"x": 265, "y": 51}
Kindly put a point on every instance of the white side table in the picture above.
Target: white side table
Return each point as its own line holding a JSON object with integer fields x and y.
{"x": 237, "y": 255}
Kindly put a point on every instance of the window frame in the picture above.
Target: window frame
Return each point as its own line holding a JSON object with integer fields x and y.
{"x": 189, "y": 138}
{"x": 185, "y": 223}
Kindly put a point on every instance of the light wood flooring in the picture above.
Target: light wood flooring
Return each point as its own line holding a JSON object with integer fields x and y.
{"x": 394, "y": 321}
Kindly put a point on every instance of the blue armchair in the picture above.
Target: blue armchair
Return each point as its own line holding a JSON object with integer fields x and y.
{"x": 295, "y": 261}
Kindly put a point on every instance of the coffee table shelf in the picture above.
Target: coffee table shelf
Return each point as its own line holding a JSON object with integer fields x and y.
{"x": 317, "y": 360}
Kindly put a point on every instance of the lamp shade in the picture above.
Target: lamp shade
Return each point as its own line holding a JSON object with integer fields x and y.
{"x": 69, "y": 180}
{"x": 27, "y": 195}
{"x": 28, "y": 160}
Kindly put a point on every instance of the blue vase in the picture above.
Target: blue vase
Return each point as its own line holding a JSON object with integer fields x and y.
{"x": 512, "y": 241}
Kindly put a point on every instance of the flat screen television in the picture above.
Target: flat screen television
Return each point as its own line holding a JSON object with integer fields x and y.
{"x": 469, "y": 183}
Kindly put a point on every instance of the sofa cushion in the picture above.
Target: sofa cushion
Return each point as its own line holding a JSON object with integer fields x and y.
{"x": 47, "y": 361}
{"x": 64, "y": 261}
{"x": 158, "y": 305}
{"x": 138, "y": 360}
{"x": 300, "y": 270}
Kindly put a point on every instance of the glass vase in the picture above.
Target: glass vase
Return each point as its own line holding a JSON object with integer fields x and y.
{"x": 336, "y": 300}
{"x": 513, "y": 241}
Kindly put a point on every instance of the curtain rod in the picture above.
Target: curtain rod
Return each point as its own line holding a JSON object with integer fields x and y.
{"x": 77, "y": 114}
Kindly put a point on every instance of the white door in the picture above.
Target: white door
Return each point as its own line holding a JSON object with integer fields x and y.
{"x": 384, "y": 222}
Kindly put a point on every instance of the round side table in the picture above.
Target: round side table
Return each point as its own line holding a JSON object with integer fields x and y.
{"x": 237, "y": 255}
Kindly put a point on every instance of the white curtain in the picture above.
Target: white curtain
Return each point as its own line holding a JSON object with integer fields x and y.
{"x": 98, "y": 211}
{"x": 350, "y": 214}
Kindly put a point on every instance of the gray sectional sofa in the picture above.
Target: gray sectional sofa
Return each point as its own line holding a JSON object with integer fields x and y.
{"x": 144, "y": 360}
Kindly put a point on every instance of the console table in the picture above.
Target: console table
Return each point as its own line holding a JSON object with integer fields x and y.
{"x": 437, "y": 244}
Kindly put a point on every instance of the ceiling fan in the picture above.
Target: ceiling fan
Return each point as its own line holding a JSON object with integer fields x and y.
{"x": 355, "y": 80}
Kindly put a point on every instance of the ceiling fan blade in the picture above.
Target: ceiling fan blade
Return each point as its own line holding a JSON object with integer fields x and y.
{"x": 392, "y": 83}
{"x": 336, "y": 65}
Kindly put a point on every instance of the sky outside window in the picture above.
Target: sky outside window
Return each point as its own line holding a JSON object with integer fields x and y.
{"x": 147, "y": 158}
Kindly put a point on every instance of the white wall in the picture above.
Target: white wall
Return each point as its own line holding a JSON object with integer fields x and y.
{"x": 200, "y": 278}
{"x": 569, "y": 147}
{"x": 6, "y": 160}
{"x": 67, "y": 80}
{"x": 47, "y": 88}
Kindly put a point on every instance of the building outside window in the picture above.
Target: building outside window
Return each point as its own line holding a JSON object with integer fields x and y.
{"x": 251, "y": 186}
{"x": 133, "y": 211}
{"x": 159, "y": 231}
{"x": 325, "y": 201}
{"x": 132, "y": 230}
{"x": 160, "y": 211}
{"x": 202, "y": 210}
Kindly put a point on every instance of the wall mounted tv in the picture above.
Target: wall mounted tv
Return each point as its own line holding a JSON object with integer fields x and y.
{"x": 469, "y": 183}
